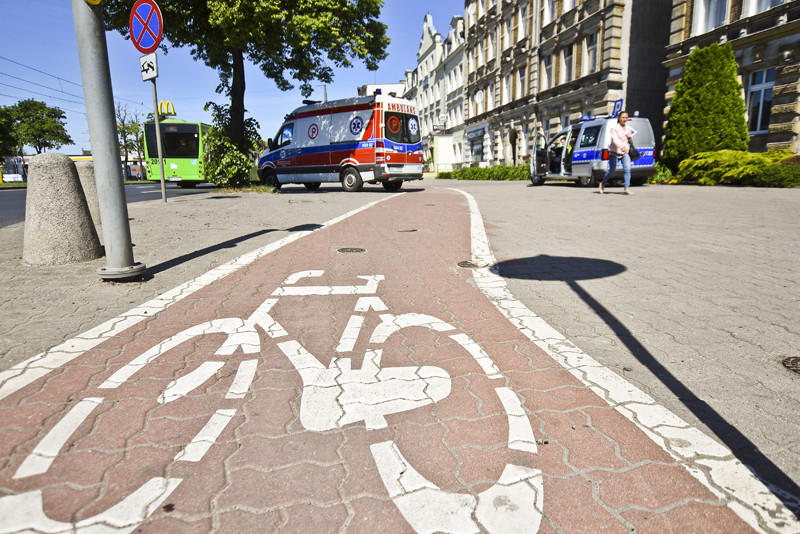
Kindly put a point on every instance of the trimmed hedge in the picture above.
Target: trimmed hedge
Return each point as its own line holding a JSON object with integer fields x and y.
{"x": 496, "y": 173}
{"x": 774, "y": 168}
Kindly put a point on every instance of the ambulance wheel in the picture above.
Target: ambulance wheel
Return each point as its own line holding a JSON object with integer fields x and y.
{"x": 393, "y": 186}
{"x": 269, "y": 179}
{"x": 351, "y": 180}
{"x": 586, "y": 181}
{"x": 312, "y": 186}
{"x": 537, "y": 179}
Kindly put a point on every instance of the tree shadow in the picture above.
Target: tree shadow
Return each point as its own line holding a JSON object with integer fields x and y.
{"x": 571, "y": 270}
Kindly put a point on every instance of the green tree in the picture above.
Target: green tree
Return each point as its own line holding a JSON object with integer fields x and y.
{"x": 39, "y": 126}
{"x": 8, "y": 141}
{"x": 708, "y": 111}
{"x": 295, "y": 37}
{"x": 126, "y": 130}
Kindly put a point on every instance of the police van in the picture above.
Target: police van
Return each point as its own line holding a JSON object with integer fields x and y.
{"x": 372, "y": 139}
{"x": 580, "y": 153}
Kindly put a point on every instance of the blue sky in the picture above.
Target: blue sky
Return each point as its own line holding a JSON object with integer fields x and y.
{"x": 39, "y": 59}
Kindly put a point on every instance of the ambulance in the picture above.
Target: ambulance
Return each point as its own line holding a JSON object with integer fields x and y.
{"x": 372, "y": 139}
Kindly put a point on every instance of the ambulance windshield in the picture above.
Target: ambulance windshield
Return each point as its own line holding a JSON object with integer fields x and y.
{"x": 402, "y": 128}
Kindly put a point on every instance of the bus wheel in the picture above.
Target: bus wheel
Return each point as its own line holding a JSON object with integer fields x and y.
{"x": 351, "y": 180}
{"x": 393, "y": 186}
{"x": 312, "y": 186}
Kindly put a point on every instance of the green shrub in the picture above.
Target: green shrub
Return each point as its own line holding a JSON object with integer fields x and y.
{"x": 784, "y": 174}
{"x": 707, "y": 111}
{"x": 664, "y": 175}
{"x": 445, "y": 175}
{"x": 496, "y": 173}
{"x": 735, "y": 167}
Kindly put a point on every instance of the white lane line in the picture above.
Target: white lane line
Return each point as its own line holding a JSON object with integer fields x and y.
{"x": 350, "y": 334}
{"x": 747, "y": 496}
{"x": 23, "y": 373}
{"x": 242, "y": 380}
{"x": 483, "y": 359}
{"x": 207, "y": 436}
{"x": 39, "y": 460}
{"x": 186, "y": 384}
{"x": 520, "y": 432}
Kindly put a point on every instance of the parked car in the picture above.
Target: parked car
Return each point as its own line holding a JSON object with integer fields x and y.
{"x": 579, "y": 152}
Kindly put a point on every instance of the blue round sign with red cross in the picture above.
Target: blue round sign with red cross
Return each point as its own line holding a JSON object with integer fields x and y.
{"x": 146, "y": 26}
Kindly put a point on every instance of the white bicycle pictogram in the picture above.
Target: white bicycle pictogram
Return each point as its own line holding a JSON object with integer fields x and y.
{"x": 332, "y": 397}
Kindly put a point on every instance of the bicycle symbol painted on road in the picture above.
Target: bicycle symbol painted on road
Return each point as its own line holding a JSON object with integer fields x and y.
{"x": 333, "y": 396}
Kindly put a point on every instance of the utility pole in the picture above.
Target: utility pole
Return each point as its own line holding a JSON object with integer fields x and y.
{"x": 96, "y": 78}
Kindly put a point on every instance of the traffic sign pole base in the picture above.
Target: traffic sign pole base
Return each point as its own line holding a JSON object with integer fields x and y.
{"x": 123, "y": 274}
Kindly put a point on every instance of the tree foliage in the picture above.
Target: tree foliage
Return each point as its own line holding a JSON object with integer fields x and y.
{"x": 228, "y": 164}
{"x": 35, "y": 124}
{"x": 301, "y": 38}
{"x": 8, "y": 143}
{"x": 708, "y": 111}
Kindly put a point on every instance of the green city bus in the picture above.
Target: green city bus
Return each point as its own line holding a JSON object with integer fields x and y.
{"x": 182, "y": 145}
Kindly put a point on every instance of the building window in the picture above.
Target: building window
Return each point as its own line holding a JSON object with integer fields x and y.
{"x": 759, "y": 100}
{"x": 507, "y": 36}
{"x": 710, "y": 14}
{"x": 568, "y": 66}
{"x": 521, "y": 89}
{"x": 549, "y": 11}
{"x": 547, "y": 71}
{"x": 753, "y": 7}
{"x": 490, "y": 98}
{"x": 591, "y": 54}
{"x": 569, "y": 4}
{"x": 490, "y": 51}
{"x": 522, "y": 24}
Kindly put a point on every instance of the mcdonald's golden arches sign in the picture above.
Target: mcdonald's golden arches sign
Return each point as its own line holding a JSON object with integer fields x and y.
{"x": 166, "y": 108}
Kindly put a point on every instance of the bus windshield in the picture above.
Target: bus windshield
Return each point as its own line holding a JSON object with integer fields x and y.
{"x": 177, "y": 140}
{"x": 402, "y": 127}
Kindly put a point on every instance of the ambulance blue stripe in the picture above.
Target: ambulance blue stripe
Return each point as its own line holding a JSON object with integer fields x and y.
{"x": 336, "y": 147}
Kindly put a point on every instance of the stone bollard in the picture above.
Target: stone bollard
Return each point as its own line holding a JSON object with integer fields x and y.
{"x": 86, "y": 175}
{"x": 58, "y": 225}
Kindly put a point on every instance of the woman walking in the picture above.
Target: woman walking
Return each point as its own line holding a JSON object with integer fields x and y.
{"x": 621, "y": 137}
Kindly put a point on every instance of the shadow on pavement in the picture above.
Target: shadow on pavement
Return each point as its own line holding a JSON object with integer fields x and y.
{"x": 571, "y": 270}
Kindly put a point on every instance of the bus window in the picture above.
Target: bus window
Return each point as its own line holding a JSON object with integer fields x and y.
{"x": 180, "y": 145}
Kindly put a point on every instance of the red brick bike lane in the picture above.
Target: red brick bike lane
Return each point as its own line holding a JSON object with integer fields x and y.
{"x": 355, "y": 379}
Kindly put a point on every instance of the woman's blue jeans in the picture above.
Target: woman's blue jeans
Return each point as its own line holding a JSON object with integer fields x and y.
{"x": 612, "y": 166}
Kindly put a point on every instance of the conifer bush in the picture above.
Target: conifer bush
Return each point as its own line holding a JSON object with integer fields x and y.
{"x": 708, "y": 111}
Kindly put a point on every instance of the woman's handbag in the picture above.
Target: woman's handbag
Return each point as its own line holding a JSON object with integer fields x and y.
{"x": 633, "y": 153}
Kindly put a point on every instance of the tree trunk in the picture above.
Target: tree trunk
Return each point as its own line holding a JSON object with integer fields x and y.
{"x": 236, "y": 125}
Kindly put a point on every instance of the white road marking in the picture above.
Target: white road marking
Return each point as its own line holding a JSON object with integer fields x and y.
{"x": 39, "y": 460}
{"x": 477, "y": 352}
{"x": 520, "y": 432}
{"x": 26, "y": 372}
{"x": 198, "y": 447}
{"x": 368, "y": 288}
{"x": 244, "y": 377}
{"x": 748, "y": 497}
{"x": 182, "y": 386}
{"x": 350, "y": 334}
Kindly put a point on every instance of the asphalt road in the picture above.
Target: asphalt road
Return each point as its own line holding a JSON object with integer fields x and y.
{"x": 12, "y": 201}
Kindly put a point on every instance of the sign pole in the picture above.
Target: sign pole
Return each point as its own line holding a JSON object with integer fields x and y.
{"x": 96, "y": 77}
{"x": 158, "y": 142}
{"x": 147, "y": 28}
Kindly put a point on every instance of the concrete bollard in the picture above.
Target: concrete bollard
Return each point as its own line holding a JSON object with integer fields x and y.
{"x": 58, "y": 225}
{"x": 89, "y": 185}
